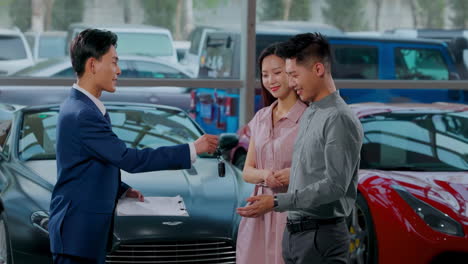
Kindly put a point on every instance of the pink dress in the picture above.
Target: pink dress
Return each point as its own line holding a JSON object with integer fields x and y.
{"x": 259, "y": 239}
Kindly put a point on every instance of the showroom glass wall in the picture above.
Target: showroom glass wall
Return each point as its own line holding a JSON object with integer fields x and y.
{"x": 377, "y": 45}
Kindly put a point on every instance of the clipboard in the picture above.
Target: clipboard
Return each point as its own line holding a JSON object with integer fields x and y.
{"x": 152, "y": 206}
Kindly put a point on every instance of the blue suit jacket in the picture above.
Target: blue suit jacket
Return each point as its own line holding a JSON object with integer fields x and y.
{"x": 89, "y": 159}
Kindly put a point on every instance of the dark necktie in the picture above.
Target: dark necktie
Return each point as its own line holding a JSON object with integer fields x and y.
{"x": 107, "y": 117}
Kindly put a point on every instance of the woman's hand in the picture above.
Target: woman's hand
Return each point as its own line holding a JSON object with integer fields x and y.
{"x": 282, "y": 176}
{"x": 270, "y": 180}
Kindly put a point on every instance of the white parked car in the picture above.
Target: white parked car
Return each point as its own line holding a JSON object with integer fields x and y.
{"x": 141, "y": 40}
{"x": 15, "y": 53}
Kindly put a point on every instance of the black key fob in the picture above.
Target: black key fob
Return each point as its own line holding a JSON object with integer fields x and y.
{"x": 221, "y": 169}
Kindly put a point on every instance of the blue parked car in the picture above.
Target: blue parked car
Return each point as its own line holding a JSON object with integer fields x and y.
{"x": 384, "y": 58}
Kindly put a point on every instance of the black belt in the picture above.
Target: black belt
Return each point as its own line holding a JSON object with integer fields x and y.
{"x": 305, "y": 224}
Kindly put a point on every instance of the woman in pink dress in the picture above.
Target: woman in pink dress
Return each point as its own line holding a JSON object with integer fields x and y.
{"x": 273, "y": 131}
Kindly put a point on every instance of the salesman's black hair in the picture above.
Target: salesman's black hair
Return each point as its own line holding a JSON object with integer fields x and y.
{"x": 90, "y": 43}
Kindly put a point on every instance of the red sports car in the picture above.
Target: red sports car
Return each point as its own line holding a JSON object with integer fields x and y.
{"x": 412, "y": 205}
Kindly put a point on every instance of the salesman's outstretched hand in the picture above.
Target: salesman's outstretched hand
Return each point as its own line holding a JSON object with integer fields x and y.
{"x": 132, "y": 193}
{"x": 206, "y": 144}
{"x": 259, "y": 205}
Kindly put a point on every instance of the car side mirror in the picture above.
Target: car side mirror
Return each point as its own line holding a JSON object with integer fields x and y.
{"x": 228, "y": 141}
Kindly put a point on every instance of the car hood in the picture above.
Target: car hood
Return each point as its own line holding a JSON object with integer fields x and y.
{"x": 447, "y": 188}
{"x": 210, "y": 201}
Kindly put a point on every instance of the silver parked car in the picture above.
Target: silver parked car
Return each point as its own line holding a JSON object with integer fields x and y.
{"x": 131, "y": 66}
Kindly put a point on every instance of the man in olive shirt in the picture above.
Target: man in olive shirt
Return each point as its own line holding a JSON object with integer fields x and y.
{"x": 324, "y": 172}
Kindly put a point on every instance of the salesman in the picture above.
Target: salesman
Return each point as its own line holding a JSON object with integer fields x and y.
{"x": 90, "y": 156}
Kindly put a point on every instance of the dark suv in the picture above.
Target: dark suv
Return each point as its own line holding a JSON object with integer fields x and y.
{"x": 385, "y": 58}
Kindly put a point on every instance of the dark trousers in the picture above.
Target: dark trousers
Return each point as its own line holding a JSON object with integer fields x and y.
{"x": 68, "y": 259}
{"x": 325, "y": 244}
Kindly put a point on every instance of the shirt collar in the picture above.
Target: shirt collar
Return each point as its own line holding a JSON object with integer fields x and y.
{"x": 326, "y": 101}
{"x": 96, "y": 101}
{"x": 296, "y": 111}
{"x": 294, "y": 114}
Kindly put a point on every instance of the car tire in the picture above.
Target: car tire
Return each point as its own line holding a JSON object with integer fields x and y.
{"x": 5, "y": 250}
{"x": 363, "y": 247}
{"x": 239, "y": 160}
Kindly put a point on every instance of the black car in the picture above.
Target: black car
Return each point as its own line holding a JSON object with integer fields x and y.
{"x": 28, "y": 173}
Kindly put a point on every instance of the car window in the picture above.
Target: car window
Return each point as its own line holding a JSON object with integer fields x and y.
{"x": 51, "y": 46}
{"x": 420, "y": 64}
{"x": 195, "y": 38}
{"x": 12, "y": 48}
{"x": 137, "y": 127}
{"x": 144, "y": 44}
{"x": 217, "y": 57}
{"x": 155, "y": 70}
{"x": 426, "y": 141}
{"x": 5, "y": 128}
{"x": 355, "y": 62}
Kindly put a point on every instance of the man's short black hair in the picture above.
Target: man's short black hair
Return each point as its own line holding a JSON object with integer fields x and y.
{"x": 307, "y": 48}
{"x": 90, "y": 43}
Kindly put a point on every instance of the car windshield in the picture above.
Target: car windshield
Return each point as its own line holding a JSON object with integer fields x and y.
{"x": 144, "y": 44}
{"x": 139, "y": 127}
{"x": 416, "y": 141}
{"x": 12, "y": 48}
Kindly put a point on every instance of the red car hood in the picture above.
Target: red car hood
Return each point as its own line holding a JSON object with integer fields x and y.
{"x": 447, "y": 188}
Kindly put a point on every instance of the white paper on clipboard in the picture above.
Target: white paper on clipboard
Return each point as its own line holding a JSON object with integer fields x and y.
{"x": 152, "y": 206}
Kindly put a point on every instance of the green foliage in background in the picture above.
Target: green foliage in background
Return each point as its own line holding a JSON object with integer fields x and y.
{"x": 460, "y": 17}
{"x": 5, "y": 3}
{"x": 300, "y": 10}
{"x": 274, "y": 10}
{"x": 270, "y": 10}
{"x": 431, "y": 13}
{"x": 208, "y": 4}
{"x": 160, "y": 13}
{"x": 347, "y": 15}
{"x": 65, "y": 12}
{"x": 20, "y": 14}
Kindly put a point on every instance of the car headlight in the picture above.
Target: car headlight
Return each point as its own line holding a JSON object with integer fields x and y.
{"x": 40, "y": 220}
{"x": 436, "y": 219}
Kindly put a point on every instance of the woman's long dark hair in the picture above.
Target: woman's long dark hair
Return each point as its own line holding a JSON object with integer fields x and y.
{"x": 268, "y": 99}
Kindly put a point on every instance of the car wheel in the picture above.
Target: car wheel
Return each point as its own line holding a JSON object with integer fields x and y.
{"x": 363, "y": 246}
{"x": 239, "y": 160}
{"x": 5, "y": 256}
